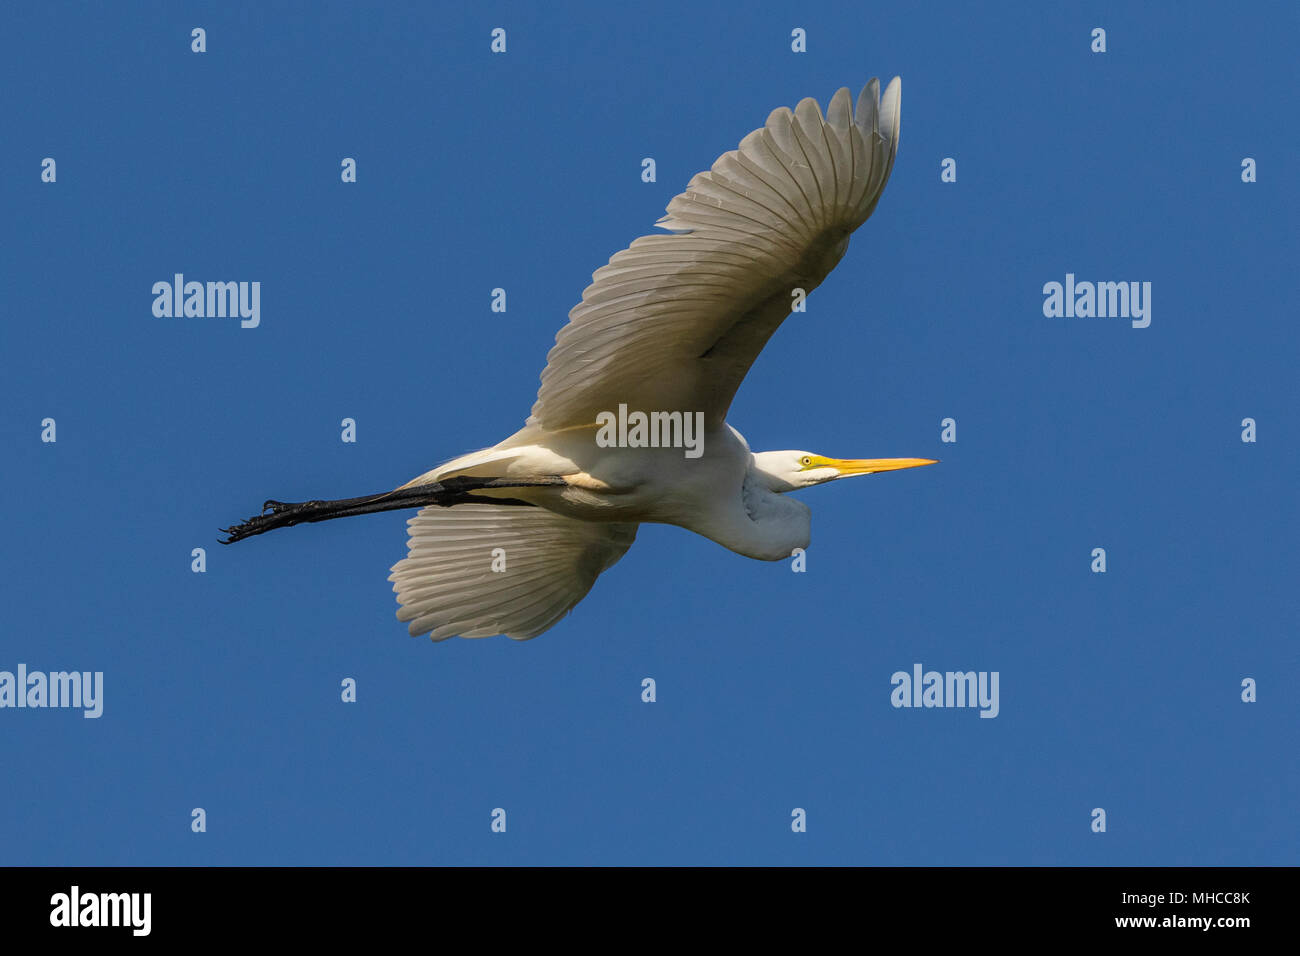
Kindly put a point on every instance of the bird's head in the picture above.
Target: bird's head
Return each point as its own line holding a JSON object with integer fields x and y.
{"x": 785, "y": 471}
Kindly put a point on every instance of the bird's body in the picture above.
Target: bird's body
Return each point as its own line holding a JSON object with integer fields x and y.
{"x": 656, "y": 485}
{"x": 510, "y": 538}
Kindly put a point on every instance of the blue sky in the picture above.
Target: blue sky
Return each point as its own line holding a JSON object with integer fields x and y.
{"x": 1119, "y": 690}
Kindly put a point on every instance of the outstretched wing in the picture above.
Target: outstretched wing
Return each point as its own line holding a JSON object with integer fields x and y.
{"x": 455, "y": 581}
{"x": 674, "y": 322}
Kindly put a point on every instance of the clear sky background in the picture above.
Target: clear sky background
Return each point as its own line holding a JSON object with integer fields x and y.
{"x": 222, "y": 689}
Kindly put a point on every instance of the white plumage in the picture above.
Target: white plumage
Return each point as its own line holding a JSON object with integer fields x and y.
{"x": 675, "y": 321}
{"x": 453, "y": 583}
{"x": 672, "y": 324}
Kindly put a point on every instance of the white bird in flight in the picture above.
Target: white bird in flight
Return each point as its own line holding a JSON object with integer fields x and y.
{"x": 667, "y": 329}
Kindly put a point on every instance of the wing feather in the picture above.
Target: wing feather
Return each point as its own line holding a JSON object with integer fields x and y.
{"x": 674, "y": 321}
{"x": 447, "y": 586}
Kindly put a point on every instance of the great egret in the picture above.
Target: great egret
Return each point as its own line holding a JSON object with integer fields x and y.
{"x": 510, "y": 538}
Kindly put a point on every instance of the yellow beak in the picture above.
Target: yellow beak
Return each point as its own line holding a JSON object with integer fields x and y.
{"x": 869, "y": 466}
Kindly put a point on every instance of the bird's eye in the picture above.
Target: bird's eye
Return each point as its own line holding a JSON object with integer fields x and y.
{"x": 806, "y": 461}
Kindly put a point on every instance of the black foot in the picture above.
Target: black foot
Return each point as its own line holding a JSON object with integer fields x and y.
{"x": 275, "y": 514}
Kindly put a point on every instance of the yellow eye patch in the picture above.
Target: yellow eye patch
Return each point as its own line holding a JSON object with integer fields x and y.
{"x": 808, "y": 462}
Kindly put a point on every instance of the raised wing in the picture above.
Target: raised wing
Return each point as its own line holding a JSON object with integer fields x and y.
{"x": 674, "y": 322}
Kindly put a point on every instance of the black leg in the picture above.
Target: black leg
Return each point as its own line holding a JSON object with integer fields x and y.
{"x": 453, "y": 491}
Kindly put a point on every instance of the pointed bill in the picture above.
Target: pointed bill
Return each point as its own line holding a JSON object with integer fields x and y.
{"x": 869, "y": 466}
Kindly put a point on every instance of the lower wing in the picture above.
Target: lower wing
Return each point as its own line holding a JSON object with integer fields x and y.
{"x": 480, "y": 569}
